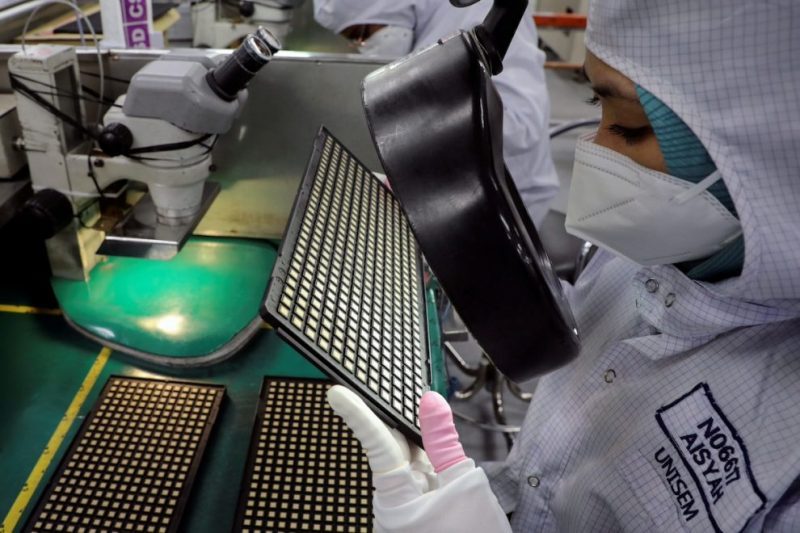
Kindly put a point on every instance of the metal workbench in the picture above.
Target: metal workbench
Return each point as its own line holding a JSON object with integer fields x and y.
{"x": 50, "y": 376}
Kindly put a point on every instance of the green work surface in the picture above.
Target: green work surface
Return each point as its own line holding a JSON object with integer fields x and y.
{"x": 189, "y": 306}
{"x": 438, "y": 368}
{"x": 43, "y": 367}
{"x": 43, "y": 363}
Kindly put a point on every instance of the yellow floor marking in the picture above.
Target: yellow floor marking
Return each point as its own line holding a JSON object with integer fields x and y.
{"x": 26, "y": 310}
{"x": 49, "y": 452}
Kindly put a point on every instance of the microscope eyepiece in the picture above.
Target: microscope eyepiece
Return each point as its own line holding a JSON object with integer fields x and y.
{"x": 235, "y": 73}
{"x": 268, "y": 39}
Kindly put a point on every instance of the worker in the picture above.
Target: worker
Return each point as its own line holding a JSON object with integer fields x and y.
{"x": 680, "y": 412}
{"x": 394, "y": 28}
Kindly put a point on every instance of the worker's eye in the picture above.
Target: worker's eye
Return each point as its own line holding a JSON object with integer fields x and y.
{"x": 631, "y": 135}
{"x": 594, "y": 100}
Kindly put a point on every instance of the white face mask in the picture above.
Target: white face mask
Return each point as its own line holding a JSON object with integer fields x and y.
{"x": 391, "y": 41}
{"x": 649, "y": 217}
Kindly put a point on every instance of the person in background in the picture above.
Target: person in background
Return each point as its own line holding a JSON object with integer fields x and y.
{"x": 680, "y": 412}
{"x": 394, "y": 28}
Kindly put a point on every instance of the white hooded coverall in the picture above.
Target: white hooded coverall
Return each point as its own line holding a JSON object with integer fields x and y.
{"x": 526, "y": 145}
{"x": 681, "y": 412}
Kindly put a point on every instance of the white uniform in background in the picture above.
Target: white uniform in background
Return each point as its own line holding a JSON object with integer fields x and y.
{"x": 680, "y": 414}
{"x": 521, "y": 85}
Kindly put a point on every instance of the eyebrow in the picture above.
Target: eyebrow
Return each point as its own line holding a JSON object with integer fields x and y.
{"x": 605, "y": 90}
{"x": 609, "y": 91}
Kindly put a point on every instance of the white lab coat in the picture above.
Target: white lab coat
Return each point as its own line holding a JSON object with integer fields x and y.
{"x": 680, "y": 413}
{"x": 606, "y": 437}
{"x": 522, "y": 87}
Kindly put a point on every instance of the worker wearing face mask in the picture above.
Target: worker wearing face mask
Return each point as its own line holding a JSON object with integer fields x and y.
{"x": 680, "y": 413}
{"x": 394, "y": 28}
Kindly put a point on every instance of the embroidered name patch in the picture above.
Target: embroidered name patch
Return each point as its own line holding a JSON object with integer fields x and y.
{"x": 715, "y": 457}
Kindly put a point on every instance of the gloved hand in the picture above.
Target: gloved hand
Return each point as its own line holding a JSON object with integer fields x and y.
{"x": 440, "y": 492}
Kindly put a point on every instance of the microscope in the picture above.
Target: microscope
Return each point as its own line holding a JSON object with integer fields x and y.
{"x": 89, "y": 182}
{"x": 219, "y": 23}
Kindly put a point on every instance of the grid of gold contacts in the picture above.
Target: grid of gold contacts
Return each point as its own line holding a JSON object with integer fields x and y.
{"x": 353, "y": 289}
{"x": 132, "y": 464}
{"x": 305, "y": 471}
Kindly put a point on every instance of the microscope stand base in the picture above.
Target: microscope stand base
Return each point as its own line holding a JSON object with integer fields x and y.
{"x": 141, "y": 235}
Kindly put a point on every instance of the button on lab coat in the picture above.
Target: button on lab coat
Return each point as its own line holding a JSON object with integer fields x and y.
{"x": 669, "y": 367}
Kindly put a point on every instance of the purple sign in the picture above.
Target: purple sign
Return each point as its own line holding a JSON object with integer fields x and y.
{"x": 134, "y": 23}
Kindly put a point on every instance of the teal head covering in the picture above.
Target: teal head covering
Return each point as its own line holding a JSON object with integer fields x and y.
{"x": 686, "y": 158}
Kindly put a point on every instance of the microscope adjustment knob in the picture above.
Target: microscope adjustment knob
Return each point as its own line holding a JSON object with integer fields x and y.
{"x": 46, "y": 213}
{"x": 115, "y": 139}
{"x": 246, "y": 8}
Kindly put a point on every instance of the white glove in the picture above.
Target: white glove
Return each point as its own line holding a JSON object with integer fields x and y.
{"x": 440, "y": 492}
